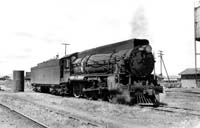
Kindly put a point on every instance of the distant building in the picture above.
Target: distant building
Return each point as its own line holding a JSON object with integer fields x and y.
{"x": 172, "y": 82}
{"x": 27, "y": 79}
{"x": 5, "y": 78}
{"x": 189, "y": 78}
{"x": 28, "y": 76}
{"x": 172, "y": 78}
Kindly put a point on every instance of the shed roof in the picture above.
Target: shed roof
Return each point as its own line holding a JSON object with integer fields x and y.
{"x": 190, "y": 71}
{"x": 172, "y": 77}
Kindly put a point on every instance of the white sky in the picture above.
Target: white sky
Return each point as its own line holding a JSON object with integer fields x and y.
{"x": 32, "y": 31}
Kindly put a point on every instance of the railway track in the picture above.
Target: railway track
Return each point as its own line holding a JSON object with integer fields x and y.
{"x": 23, "y": 116}
{"x": 178, "y": 110}
{"x": 82, "y": 121}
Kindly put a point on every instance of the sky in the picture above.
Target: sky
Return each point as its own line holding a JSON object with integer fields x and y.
{"x": 33, "y": 31}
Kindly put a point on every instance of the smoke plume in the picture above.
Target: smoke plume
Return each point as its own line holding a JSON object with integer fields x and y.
{"x": 139, "y": 24}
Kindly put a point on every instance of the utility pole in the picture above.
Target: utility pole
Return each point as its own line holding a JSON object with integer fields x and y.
{"x": 196, "y": 38}
{"x": 65, "y": 47}
{"x": 195, "y": 45}
{"x": 162, "y": 62}
{"x": 154, "y": 70}
{"x": 160, "y": 55}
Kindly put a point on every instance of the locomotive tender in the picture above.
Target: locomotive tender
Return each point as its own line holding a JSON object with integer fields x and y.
{"x": 103, "y": 72}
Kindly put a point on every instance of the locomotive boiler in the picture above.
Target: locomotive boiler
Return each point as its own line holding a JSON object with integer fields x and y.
{"x": 105, "y": 72}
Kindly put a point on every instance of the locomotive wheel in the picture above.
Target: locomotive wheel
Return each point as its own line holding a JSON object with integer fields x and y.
{"x": 112, "y": 99}
{"x": 91, "y": 95}
{"x": 77, "y": 90}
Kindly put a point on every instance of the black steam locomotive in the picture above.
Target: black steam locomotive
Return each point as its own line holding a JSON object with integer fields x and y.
{"x": 107, "y": 72}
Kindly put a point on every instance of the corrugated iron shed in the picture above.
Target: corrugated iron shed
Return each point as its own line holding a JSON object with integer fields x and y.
{"x": 190, "y": 71}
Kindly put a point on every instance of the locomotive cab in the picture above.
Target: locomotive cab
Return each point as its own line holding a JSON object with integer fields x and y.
{"x": 66, "y": 67}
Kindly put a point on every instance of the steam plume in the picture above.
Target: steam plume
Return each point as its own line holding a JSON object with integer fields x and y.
{"x": 139, "y": 24}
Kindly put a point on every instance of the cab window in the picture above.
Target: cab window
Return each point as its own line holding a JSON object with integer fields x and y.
{"x": 67, "y": 64}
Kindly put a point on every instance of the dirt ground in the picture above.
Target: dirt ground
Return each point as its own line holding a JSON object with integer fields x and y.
{"x": 181, "y": 110}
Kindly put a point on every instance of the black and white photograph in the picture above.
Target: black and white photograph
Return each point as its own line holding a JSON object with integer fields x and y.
{"x": 100, "y": 64}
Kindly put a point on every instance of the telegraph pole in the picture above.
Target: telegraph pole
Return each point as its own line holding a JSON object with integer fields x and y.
{"x": 195, "y": 43}
{"x": 160, "y": 55}
{"x": 162, "y": 62}
{"x": 154, "y": 70}
{"x": 65, "y": 47}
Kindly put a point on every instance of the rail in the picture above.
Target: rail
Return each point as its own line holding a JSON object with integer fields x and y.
{"x": 42, "y": 125}
{"x": 178, "y": 110}
{"x": 24, "y": 116}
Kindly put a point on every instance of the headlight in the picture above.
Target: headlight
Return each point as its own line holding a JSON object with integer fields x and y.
{"x": 141, "y": 49}
{"x": 148, "y": 48}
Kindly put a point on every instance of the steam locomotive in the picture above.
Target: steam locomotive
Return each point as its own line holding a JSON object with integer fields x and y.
{"x": 107, "y": 72}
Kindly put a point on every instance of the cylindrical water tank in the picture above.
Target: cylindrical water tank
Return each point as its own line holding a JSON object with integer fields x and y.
{"x": 197, "y": 23}
{"x": 18, "y": 81}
